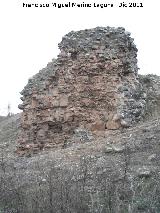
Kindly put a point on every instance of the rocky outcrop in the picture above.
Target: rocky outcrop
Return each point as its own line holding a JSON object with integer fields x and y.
{"x": 93, "y": 85}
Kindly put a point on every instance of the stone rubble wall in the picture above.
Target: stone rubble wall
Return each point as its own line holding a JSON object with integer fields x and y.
{"x": 151, "y": 91}
{"x": 93, "y": 84}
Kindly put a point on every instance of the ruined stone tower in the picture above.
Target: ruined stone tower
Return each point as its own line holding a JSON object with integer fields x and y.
{"x": 92, "y": 84}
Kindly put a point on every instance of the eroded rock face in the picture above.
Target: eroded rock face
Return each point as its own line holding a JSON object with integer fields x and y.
{"x": 92, "y": 85}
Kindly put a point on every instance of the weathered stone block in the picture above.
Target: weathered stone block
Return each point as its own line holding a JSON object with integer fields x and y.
{"x": 63, "y": 102}
{"x": 55, "y": 103}
{"x": 112, "y": 125}
{"x": 98, "y": 126}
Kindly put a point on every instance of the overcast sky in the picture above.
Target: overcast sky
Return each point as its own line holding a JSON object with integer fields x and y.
{"x": 29, "y": 37}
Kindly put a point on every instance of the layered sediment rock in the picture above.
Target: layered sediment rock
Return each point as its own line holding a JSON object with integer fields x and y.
{"x": 92, "y": 85}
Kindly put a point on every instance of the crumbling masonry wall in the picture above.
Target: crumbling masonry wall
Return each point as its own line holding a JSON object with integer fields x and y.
{"x": 92, "y": 85}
